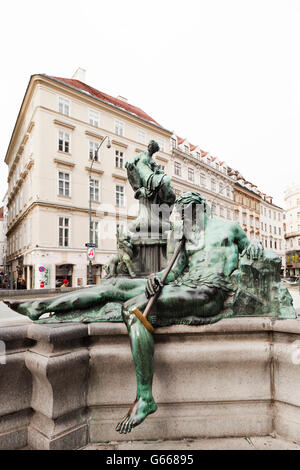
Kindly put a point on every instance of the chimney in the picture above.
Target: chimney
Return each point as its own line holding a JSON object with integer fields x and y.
{"x": 122, "y": 98}
{"x": 79, "y": 74}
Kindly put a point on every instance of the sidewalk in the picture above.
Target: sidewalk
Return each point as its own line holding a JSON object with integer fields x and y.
{"x": 228, "y": 443}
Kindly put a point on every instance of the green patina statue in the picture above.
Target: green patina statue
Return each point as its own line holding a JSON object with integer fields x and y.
{"x": 152, "y": 187}
{"x": 121, "y": 263}
{"x": 218, "y": 273}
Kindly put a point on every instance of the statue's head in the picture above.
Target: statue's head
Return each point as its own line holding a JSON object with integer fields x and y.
{"x": 190, "y": 198}
{"x": 192, "y": 207}
{"x": 153, "y": 147}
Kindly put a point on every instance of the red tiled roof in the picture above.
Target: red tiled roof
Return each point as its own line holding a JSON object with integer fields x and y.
{"x": 213, "y": 159}
{"x": 180, "y": 140}
{"x": 107, "y": 98}
{"x": 203, "y": 154}
{"x": 193, "y": 147}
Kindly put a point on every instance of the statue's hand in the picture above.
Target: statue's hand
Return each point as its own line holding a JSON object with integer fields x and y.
{"x": 141, "y": 192}
{"x": 153, "y": 285}
{"x": 254, "y": 250}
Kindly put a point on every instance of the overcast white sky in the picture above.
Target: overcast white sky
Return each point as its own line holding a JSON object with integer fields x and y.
{"x": 223, "y": 73}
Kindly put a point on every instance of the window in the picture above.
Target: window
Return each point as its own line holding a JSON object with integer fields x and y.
{"x": 203, "y": 180}
{"x": 95, "y": 232}
{"x": 214, "y": 209}
{"x": 94, "y": 118}
{"x": 119, "y": 195}
{"x": 119, "y": 160}
{"x": 141, "y": 136}
{"x": 279, "y": 216}
{"x": 221, "y": 211}
{"x": 161, "y": 144}
{"x": 213, "y": 185}
{"x": 64, "y": 142}
{"x": 266, "y": 244}
{"x": 64, "y": 106}
{"x": 275, "y": 244}
{"x": 64, "y": 184}
{"x": 221, "y": 187}
{"x": 274, "y": 230}
{"x": 229, "y": 214}
{"x": 177, "y": 168}
{"x": 228, "y": 192}
{"x": 198, "y": 155}
{"x": 119, "y": 127}
{"x": 262, "y": 225}
{"x": 271, "y": 244}
{"x": 94, "y": 190}
{"x": 162, "y": 167}
{"x": 173, "y": 143}
{"x": 279, "y": 231}
{"x": 274, "y": 215}
{"x": 190, "y": 174}
{"x": 63, "y": 231}
{"x": 93, "y": 146}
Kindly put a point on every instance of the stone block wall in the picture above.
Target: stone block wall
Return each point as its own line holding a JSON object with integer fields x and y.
{"x": 64, "y": 385}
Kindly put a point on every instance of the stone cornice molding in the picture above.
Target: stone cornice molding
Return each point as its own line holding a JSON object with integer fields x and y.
{"x": 94, "y": 170}
{"x": 94, "y": 135}
{"x": 119, "y": 177}
{"x": 64, "y": 162}
{"x": 64, "y": 124}
{"x": 119, "y": 144}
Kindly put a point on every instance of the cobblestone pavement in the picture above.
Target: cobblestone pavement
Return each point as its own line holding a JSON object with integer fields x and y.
{"x": 228, "y": 443}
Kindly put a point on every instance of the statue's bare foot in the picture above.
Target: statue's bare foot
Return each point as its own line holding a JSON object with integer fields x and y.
{"x": 139, "y": 410}
{"x": 24, "y": 308}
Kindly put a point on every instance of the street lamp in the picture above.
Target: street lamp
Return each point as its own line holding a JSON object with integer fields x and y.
{"x": 91, "y": 244}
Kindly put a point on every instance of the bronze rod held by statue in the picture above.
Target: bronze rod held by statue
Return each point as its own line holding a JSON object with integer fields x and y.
{"x": 143, "y": 316}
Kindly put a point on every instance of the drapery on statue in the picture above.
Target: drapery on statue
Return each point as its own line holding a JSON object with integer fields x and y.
{"x": 199, "y": 289}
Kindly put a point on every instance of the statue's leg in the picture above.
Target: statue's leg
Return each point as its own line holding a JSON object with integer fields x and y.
{"x": 119, "y": 290}
{"x": 142, "y": 347}
{"x": 173, "y": 302}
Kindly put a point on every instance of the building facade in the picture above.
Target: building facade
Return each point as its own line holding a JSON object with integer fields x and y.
{"x": 193, "y": 169}
{"x": 58, "y": 130}
{"x": 292, "y": 236}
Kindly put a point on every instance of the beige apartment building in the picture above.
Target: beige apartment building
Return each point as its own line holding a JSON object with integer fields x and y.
{"x": 60, "y": 124}
{"x": 292, "y": 220}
